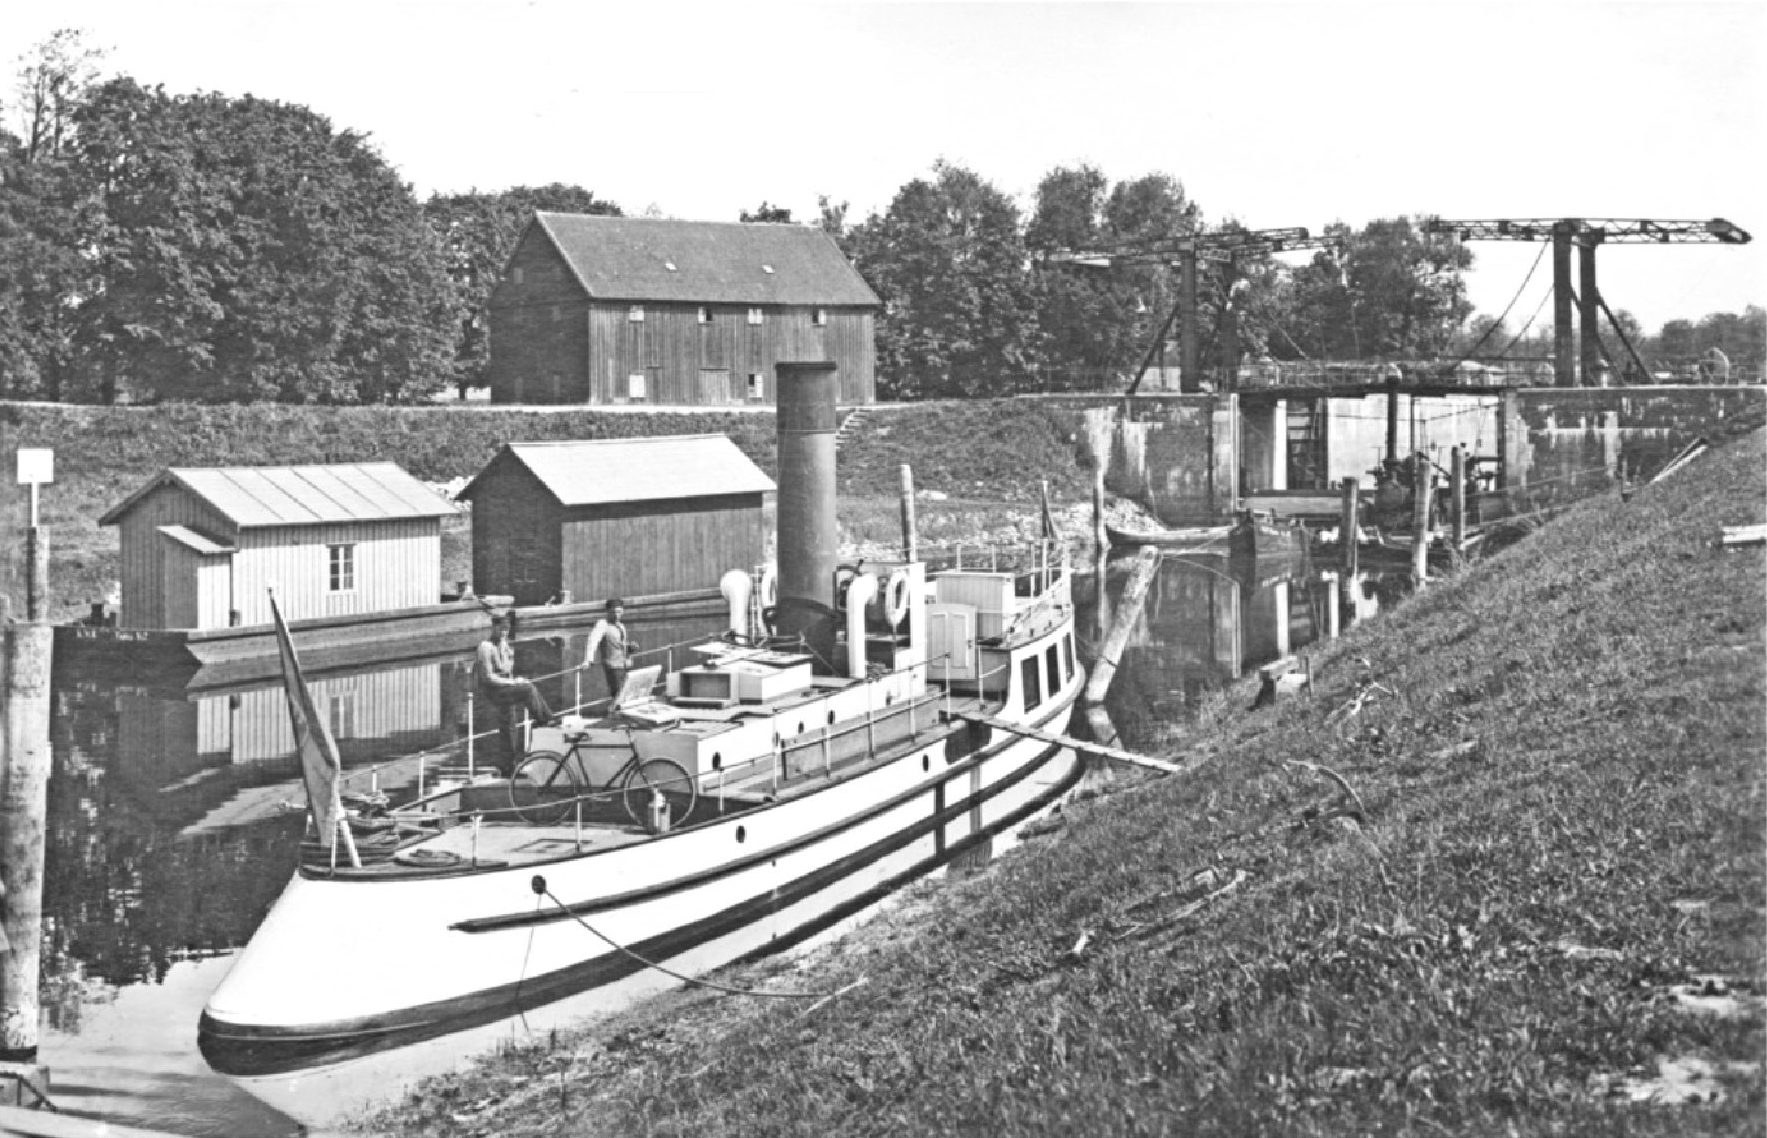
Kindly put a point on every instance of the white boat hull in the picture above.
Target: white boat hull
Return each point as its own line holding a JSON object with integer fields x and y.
{"x": 344, "y": 967}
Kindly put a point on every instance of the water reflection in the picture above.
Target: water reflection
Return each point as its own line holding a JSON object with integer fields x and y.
{"x": 1209, "y": 620}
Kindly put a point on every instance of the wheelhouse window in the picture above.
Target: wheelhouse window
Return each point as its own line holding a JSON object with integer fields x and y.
{"x": 754, "y": 316}
{"x": 1028, "y": 680}
{"x": 635, "y": 314}
{"x": 1067, "y": 654}
{"x": 1052, "y": 669}
{"x": 341, "y": 573}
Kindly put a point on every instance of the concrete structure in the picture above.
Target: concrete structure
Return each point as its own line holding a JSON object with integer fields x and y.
{"x": 616, "y": 517}
{"x": 200, "y": 545}
{"x": 641, "y": 310}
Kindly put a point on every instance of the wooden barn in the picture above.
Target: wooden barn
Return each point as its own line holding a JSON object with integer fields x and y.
{"x": 641, "y": 310}
{"x": 200, "y": 545}
{"x": 616, "y": 517}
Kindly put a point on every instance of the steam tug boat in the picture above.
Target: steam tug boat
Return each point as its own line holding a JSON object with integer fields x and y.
{"x": 889, "y": 722}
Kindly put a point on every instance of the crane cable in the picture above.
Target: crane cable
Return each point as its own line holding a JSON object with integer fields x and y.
{"x": 1470, "y": 352}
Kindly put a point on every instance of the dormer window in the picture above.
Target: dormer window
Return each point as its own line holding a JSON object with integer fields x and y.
{"x": 635, "y": 314}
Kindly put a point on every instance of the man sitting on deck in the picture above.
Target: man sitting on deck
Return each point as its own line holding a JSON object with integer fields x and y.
{"x": 505, "y": 691}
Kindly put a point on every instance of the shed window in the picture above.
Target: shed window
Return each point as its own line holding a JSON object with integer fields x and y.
{"x": 757, "y": 386}
{"x": 705, "y": 314}
{"x": 819, "y": 316}
{"x": 517, "y": 275}
{"x": 341, "y": 577}
{"x": 635, "y": 386}
{"x": 635, "y": 314}
{"x": 754, "y": 316}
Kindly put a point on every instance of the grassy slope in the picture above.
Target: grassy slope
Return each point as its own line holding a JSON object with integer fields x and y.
{"x": 1582, "y": 751}
{"x": 992, "y": 451}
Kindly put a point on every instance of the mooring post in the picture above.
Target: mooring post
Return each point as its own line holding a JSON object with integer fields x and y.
{"x": 1457, "y": 496}
{"x": 1420, "y": 520}
{"x": 1333, "y": 621}
{"x": 1100, "y": 551}
{"x": 1349, "y": 533}
{"x": 910, "y": 534}
{"x": 25, "y": 657}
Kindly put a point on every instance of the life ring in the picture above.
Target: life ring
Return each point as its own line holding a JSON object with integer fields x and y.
{"x": 844, "y": 576}
{"x": 428, "y": 859}
{"x": 895, "y": 597}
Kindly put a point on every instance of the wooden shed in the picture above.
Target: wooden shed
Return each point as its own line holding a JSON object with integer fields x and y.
{"x": 616, "y": 517}
{"x": 597, "y": 309}
{"x": 200, "y": 545}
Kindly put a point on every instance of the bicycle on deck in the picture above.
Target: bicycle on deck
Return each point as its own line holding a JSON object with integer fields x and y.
{"x": 547, "y": 786}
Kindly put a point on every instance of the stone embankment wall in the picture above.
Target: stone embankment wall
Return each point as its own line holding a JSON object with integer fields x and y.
{"x": 1561, "y": 444}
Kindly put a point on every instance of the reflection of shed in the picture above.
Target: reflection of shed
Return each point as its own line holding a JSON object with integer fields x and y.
{"x": 615, "y": 517}
{"x": 200, "y": 545}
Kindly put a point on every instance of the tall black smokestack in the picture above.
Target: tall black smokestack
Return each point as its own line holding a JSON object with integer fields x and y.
{"x": 808, "y": 537}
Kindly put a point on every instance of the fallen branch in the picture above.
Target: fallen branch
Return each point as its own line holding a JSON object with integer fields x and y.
{"x": 1343, "y": 783}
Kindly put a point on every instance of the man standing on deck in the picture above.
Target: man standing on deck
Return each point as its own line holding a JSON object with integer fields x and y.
{"x": 505, "y": 691}
{"x": 612, "y": 648}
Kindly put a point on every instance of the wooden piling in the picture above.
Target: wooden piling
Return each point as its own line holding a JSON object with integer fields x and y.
{"x": 910, "y": 533}
{"x": 1420, "y": 521}
{"x": 36, "y": 574}
{"x": 1101, "y": 547}
{"x": 25, "y": 654}
{"x": 1104, "y": 669}
{"x": 1349, "y": 531}
{"x": 1457, "y": 496}
{"x": 1328, "y": 583}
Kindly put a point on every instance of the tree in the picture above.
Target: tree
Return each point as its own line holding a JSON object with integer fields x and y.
{"x": 479, "y": 231}
{"x": 1098, "y": 323}
{"x": 948, "y": 261}
{"x": 832, "y": 220}
{"x": 41, "y": 273}
{"x": 53, "y": 79}
{"x": 244, "y": 250}
{"x": 1391, "y": 290}
{"x": 766, "y": 212}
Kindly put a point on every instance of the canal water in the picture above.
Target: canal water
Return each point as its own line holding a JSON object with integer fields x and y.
{"x": 174, "y": 823}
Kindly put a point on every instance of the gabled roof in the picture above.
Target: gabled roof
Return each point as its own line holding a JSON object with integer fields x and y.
{"x": 645, "y": 258}
{"x": 299, "y": 495}
{"x": 604, "y": 471}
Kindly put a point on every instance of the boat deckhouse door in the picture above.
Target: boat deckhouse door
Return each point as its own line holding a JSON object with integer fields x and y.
{"x": 951, "y": 642}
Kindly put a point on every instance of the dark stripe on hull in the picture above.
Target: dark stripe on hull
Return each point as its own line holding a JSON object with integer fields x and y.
{"x": 246, "y": 1051}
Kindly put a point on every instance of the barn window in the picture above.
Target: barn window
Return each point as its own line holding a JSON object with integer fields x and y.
{"x": 516, "y": 275}
{"x": 635, "y": 314}
{"x": 705, "y": 314}
{"x": 757, "y": 386}
{"x": 342, "y": 572}
{"x": 635, "y": 386}
{"x": 754, "y": 316}
{"x": 819, "y": 316}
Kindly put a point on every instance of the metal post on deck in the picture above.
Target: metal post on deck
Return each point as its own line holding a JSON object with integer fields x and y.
{"x": 1457, "y": 495}
{"x": 1349, "y": 532}
{"x": 910, "y": 531}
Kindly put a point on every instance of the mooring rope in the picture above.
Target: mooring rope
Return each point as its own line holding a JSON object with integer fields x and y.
{"x": 540, "y": 888}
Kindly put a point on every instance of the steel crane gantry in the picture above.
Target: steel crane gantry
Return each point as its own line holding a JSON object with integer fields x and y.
{"x": 1586, "y": 234}
{"x": 1224, "y": 247}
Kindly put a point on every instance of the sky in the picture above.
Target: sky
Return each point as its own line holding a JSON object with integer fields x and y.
{"x": 1271, "y": 114}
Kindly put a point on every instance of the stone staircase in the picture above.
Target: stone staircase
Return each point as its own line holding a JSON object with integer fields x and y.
{"x": 849, "y": 425}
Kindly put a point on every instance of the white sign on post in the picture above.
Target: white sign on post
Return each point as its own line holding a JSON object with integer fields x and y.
{"x": 36, "y": 466}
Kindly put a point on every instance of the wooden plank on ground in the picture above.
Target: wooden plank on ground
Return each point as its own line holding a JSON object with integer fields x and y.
{"x": 1080, "y": 745}
{"x": 1744, "y": 535}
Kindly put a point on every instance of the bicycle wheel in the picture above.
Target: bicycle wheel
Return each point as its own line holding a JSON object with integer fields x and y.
{"x": 542, "y": 788}
{"x": 653, "y": 777}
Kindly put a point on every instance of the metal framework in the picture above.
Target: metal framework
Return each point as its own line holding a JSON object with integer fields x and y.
{"x": 1222, "y": 247}
{"x": 1586, "y": 234}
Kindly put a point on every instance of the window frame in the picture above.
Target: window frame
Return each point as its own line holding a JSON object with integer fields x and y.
{"x": 756, "y": 317}
{"x": 705, "y": 314}
{"x": 340, "y": 568}
{"x": 819, "y": 317}
{"x": 637, "y": 387}
{"x": 757, "y": 385}
{"x": 635, "y": 314}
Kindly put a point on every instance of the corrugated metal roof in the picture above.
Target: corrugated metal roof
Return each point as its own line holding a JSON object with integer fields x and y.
{"x": 301, "y": 495}
{"x": 603, "y": 471}
{"x": 201, "y": 543}
{"x": 644, "y": 258}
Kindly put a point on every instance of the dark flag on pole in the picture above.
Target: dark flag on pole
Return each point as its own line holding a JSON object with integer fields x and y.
{"x": 321, "y": 769}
